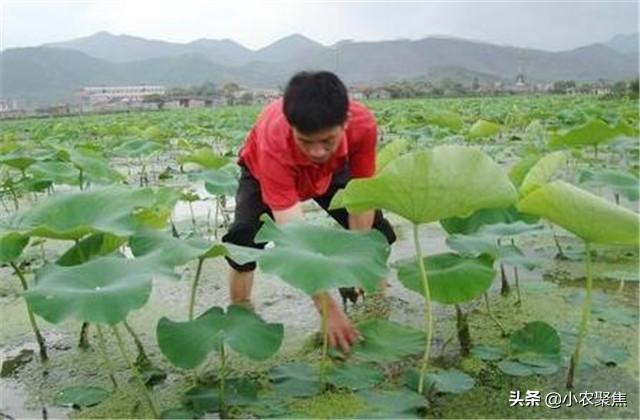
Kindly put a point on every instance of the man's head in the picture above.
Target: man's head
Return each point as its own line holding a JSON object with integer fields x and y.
{"x": 316, "y": 105}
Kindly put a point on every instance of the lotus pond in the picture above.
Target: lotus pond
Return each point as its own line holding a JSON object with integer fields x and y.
{"x": 513, "y": 284}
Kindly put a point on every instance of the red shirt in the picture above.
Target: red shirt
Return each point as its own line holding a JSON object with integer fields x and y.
{"x": 286, "y": 175}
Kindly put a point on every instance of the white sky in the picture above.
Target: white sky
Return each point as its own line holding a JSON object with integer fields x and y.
{"x": 549, "y": 25}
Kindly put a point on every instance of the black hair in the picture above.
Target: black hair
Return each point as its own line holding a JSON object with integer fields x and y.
{"x": 314, "y": 101}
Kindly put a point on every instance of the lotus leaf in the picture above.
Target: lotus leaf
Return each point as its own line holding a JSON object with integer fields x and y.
{"x": 316, "y": 258}
{"x": 588, "y": 216}
{"x": 432, "y": 185}
{"x": 452, "y": 278}
{"x": 386, "y": 341}
{"x": 103, "y": 290}
{"x": 187, "y": 344}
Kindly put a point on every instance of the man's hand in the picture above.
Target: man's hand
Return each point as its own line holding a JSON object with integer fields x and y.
{"x": 341, "y": 331}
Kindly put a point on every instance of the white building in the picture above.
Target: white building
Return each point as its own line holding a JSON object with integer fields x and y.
{"x": 95, "y": 95}
{"x": 6, "y": 105}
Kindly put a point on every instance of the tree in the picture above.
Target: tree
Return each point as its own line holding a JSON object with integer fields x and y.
{"x": 229, "y": 91}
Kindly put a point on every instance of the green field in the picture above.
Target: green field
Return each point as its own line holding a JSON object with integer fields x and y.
{"x": 515, "y": 273}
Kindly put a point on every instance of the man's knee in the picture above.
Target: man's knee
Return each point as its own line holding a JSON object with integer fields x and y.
{"x": 381, "y": 224}
{"x": 242, "y": 234}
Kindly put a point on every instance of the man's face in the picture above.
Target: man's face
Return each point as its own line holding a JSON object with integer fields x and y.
{"x": 319, "y": 146}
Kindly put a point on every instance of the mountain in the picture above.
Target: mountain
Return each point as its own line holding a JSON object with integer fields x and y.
{"x": 288, "y": 48}
{"x": 125, "y": 48}
{"x": 51, "y": 73}
{"x": 625, "y": 43}
{"x": 42, "y": 75}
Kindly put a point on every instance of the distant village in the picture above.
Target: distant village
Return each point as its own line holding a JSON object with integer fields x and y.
{"x": 109, "y": 99}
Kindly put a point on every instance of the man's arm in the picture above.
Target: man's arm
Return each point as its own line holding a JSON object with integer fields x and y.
{"x": 341, "y": 331}
{"x": 291, "y": 214}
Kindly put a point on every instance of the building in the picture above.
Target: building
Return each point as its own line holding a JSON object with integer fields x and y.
{"x": 97, "y": 96}
{"x": 7, "y": 105}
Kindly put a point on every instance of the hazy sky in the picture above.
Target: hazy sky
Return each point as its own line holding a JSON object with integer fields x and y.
{"x": 550, "y": 25}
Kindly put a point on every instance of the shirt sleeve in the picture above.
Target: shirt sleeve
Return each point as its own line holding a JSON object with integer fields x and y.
{"x": 277, "y": 184}
{"x": 362, "y": 157}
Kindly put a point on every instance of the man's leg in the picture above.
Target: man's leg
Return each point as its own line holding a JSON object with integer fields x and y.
{"x": 240, "y": 285}
{"x": 246, "y": 223}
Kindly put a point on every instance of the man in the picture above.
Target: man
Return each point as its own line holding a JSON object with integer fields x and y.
{"x": 306, "y": 145}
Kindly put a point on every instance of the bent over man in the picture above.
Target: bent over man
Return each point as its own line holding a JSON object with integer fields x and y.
{"x": 307, "y": 145}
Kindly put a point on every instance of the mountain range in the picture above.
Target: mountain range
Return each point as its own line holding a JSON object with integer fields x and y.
{"x": 52, "y": 72}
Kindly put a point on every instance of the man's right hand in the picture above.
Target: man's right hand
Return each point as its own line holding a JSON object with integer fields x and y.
{"x": 341, "y": 331}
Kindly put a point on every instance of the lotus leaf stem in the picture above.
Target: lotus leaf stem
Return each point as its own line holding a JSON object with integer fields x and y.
{"x": 223, "y": 373}
{"x": 428, "y": 319}
{"x": 142, "y": 359}
{"x": 194, "y": 288}
{"x": 135, "y": 371}
{"x": 32, "y": 320}
{"x": 517, "y": 278}
{"x": 493, "y": 318}
{"x": 325, "y": 337}
{"x": 105, "y": 355}
{"x": 584, "y": 321}
{"x": 83, "y": 341}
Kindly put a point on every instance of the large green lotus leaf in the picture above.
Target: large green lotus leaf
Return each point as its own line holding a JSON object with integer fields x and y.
{"x": 205, "y": 398}
{"x": 450, "y": 381}
{"x": 387, "y": 341}
{"x": 137, "y": 148}
{"x": 354, "y": 377}
{"x": 431, "y": 185}
{"x": 57, "y": 172}
{"x": 542, "y": 171}
{"x": 514, "y": 368}
{"x": 512, "y": 255}
{"x": 452, "y": 278}
{"x": 482, "y": 129}
{"x": 76, "y": 214}
{"x": 187, "y": 344}
{"x": 591, "y": 133}
{"x": 391, "y": 404}
{"x": 156, "y": 216}
{"x": 205, "y": 158}
{"x": 484, "y": 352}
{"x": 482, "y": 217}
{"x": 223, "y": 181}
{"x": 103, "y": 290}
{"x": 315, "y": 258}
{"x": 390, "y": 152}
{"x": 446, "y": 119}
{"x": 249, "y": 335}
{"x": 295, "y": 380}
{"x": 180, "y": 251}
{"x": 473, "y": 245}
{"x": 11, "y": 245}
{"x": 621, "y": 182}
{"x": 519, "y": 171}
{"x": 95, "y": 245}
{"x": 94, "y": 167}
{"x": 500, "y": 230}
{"x": 590, "y": 217}
{"x": 80, "y": 396}
{"x": 536, "y": 337}
{"x": 18, "y": 160}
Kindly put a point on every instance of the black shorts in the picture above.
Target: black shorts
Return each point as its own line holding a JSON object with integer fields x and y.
{"x": 249, "y": 208}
